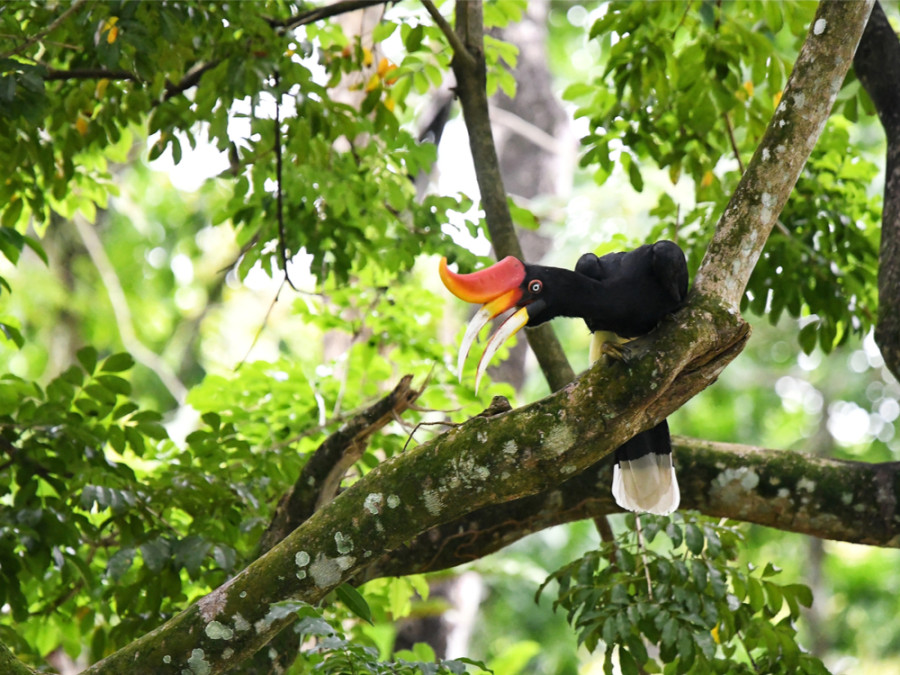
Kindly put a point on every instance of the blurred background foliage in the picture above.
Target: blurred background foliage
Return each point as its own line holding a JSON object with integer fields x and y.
{"x": 140, "y": 216}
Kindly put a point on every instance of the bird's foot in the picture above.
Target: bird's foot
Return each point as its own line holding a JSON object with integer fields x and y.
{"x": 615, "y": 351}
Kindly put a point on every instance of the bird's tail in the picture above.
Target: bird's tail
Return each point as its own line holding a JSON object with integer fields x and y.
{"x": 644, "y": 476}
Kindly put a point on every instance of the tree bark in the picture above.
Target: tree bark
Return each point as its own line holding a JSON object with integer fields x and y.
{"x": 794, "y": 492}
{"x": 877, "y": 65}
{"x": 471, "y": 78}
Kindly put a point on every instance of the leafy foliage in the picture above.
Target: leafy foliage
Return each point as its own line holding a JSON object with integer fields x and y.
{"x": 326, "y": 648}
{"x": 686, "y": 597}
{"x": 689, "y": 90}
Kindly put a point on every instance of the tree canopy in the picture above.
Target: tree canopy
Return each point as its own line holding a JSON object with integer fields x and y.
{"x": 232, "y": 438}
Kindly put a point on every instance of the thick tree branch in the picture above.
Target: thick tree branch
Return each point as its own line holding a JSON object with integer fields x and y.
{"x": 787, "y": 143}
{"x": 877, "y": 65}
{"x": 471, "y": 77}
{"x": 793, "y": 492}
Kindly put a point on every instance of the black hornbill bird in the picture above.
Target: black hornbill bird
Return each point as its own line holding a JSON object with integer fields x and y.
{"x": 620, "y": 296}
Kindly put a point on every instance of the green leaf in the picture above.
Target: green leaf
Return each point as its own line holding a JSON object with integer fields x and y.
{"x": 12, "y": 334}
{"x": 117, "y": 363}
{"x": 87, "y": 357}
{"x": 120, "y": 563}
{"x": 627, "y": 662}
{"x": 693, "y": 537}
{"x": 354, "y": 601}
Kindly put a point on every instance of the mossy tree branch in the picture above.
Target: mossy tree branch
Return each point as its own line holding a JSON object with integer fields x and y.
{"x": 794, "y": 492}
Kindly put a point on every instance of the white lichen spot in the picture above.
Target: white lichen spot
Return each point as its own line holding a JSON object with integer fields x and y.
{"x": 481, "y": 437}
{"x": 243, "y": 594}
{"x": 559, "y": 438}
{"x": 569, "y": 468}
{"x": 819, "y": 26}
{"x": 482, "y": 472}
{"x": 774, "y": 480}
{"x": 846, "y": 498}
{"x": 227, "y": 653}
{"x": 218, "y": 631}
{"x": 240, "y": 623}
{"x": 197, "y": 663}
{"x": 273, "y": 654}
{"x": 393, "y": 501}
{"x": 765, "y": 154}
{"x": 799, "y": 99}
{"x": 301, "y": 575}
{"x": 784, "y": 493}
{"x": 510, "y": 447}
{"x": 167, "y": 659}
{"x": 301, "y": 558}
{"x": 433, "y": 502}
{"x": 344, "y": 544}
{"x": 746, "y": 478}
{"x": 806, "y": 484}
{"x": 374, "y": 503}
{"x": 326, "y": 572}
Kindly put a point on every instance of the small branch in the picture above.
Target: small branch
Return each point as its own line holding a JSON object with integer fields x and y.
{"x": 326, "y": 12}
{"x": 265, "y": 321}
{"x": 279, "y": 193}
{"x": 89, "y": 74}
{"x": 459, "y": 49}
{"x": 49, "y": 29}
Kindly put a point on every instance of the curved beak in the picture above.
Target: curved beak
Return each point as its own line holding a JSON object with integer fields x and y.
{"x": 499, "y": 288}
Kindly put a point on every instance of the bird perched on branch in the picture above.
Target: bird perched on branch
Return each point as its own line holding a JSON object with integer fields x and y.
{"x": 620, "y": 296}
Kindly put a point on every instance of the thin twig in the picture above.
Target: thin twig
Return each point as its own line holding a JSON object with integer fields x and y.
{"x": 459, "y": 49}
{"x": 261, "y": 327}
{"x": 49, "y": 29}
{"x": 279, "y": 193}
{"x": 687, "y": 7}
{"x": 734, "y": 147}
{"x": 642, "y": 548}
{"x": 326, "y": 12}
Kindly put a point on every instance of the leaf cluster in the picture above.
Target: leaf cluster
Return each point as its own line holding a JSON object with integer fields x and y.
{"x": 325, "y": 647}
{"x": 686, "y": 599}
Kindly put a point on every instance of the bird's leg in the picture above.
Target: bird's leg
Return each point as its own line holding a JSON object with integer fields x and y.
{"x": 610, "y": 345}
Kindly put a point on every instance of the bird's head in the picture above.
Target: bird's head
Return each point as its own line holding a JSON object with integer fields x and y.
{"x": 508, "y": 284}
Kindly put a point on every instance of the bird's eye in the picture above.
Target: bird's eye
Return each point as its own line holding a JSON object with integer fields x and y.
{"x": 535, "y": 286}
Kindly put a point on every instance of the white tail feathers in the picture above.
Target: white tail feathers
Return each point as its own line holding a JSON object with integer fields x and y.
{"x": 646, "y": 484}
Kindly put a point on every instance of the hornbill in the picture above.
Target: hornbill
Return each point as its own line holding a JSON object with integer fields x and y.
{"x": 620, "y": 296}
